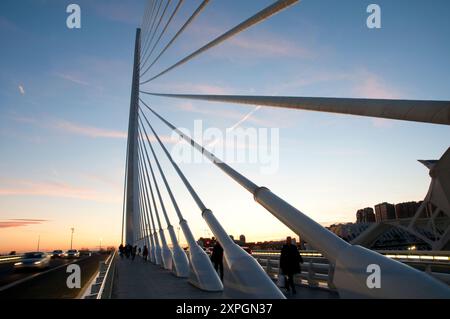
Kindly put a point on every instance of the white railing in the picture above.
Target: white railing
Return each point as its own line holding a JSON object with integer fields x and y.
{"x": 317, "y": 272}
{"x": 107, "y": 279}
{"x": 9, "y": 258}
{"x": 313, "y": 274}
{"x": 102, "y": 283}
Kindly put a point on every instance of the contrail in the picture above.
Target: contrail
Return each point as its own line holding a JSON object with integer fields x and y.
{"x": 242, "y": 120}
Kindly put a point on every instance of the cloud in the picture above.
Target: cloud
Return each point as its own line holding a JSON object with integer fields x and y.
{"x": 82, "y": 130}
{"x": 358, "y": 83}
{"x": 24, "y": 119}
{"x": 89, "y": 131}
{"x": 311, "y": 78}
{"x": 201, "y": 88}
{"x": 73, "y": 128}
{"x": 269, "y": 46}
{"x": 13, "y": 223}
{"x": 71, "y": 78}
{"x": 55, "y": 189}
{"x": 21, "y": 90}
{"x": 231, "y": 114}
{"x": 371, "y": 85}
{"x": 261, "y": 44}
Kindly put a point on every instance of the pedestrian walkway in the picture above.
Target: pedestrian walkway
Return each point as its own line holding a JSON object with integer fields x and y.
{"x": 144, "y": 280}
{"x": 139, "y": 280}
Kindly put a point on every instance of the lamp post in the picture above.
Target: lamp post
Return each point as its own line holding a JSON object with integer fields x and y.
{"x": 39, "y": 242}
{"x": 71, "y": 237}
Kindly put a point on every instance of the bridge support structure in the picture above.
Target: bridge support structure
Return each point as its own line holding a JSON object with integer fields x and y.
{"x": 132, "y": 182}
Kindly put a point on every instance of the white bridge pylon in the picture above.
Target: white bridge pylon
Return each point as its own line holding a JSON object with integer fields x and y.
{"x": 139, "y": 219}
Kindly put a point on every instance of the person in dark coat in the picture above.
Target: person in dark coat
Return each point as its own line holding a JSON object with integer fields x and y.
{"x": 290, "y": 261}
{"x": 128, "y": 249}
{"x": 217, "y": 259}
{"x": 133, "y": 252}
{"x": 145, "y": 253}
{"x": 121, "y": 251}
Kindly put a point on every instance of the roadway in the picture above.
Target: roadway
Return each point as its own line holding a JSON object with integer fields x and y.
{"x": 46, "y": 284}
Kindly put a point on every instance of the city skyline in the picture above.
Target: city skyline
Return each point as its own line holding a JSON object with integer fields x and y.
{"x": 65, "y": 102}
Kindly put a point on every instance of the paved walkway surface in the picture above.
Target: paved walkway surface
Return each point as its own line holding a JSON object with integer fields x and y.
{"x": 139, "y": 280}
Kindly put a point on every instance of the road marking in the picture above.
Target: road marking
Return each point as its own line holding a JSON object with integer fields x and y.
{"x": 18, "y": 282}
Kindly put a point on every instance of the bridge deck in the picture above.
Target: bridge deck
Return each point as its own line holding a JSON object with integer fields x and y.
{"x": 139, "y": 280}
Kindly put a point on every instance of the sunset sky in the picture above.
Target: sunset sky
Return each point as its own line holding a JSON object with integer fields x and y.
{"x": 65, "y": 95}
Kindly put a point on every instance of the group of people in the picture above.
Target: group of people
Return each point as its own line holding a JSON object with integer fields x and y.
{"x": 128, "y": 251}
{"x": 290, "y": 260}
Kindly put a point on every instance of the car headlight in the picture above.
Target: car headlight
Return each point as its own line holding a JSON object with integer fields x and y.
{"x": 37, "y": 262}
{"x": 18, "y": 264}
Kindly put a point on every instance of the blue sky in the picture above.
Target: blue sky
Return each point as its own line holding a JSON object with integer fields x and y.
{"x": 64, "y": 102}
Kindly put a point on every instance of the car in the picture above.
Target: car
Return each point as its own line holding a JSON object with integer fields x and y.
{"x": 33, "y": 260}
{"x": 73, "y": 253}
{"x": 58, "y": 254}
{"x": 85, "y": 252}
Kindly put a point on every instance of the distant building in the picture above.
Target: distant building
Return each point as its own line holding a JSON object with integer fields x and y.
{"x": 384, "y": 211}
{"x": 406, "y": 210}
{"x": 365, "y": 215}
{"x": 392, "y": 239}
{"x": 348, "y": 231}
{"x": 242, "y": 239}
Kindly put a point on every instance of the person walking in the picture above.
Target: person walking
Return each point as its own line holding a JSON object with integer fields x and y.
{"x": 217, "y": 259}
{"x": 139, "y": 251}
{"x": 290, "y": 261}
{"x": 128, "y": 251}
{"x": 145, "y": 253}
{"x": 133, "y": 252}
{"x": 121, "y": 251}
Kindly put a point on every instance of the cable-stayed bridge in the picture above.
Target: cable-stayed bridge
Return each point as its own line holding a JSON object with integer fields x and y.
{"x": 348, "y": 266}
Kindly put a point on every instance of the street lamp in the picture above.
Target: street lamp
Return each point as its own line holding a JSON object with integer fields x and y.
{"x": 71, "y": 237}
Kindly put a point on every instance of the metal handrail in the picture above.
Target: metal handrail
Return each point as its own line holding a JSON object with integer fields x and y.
{"x": 269, "y": 260}
{"x": 10, "y": 258}
{"x": 102, "y": 286}
{"x": 410, "y": 255}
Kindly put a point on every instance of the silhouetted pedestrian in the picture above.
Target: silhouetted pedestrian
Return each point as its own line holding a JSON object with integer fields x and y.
{"x": 217, "y": 259}
{"x": 121, "y": 251}
{"x": 139, "y": 251}
{"x": 128, "y": 251}
{"x": 145, "y": 253}
{"x": 133, "y": 252}
{"x": 290, "y": 261}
